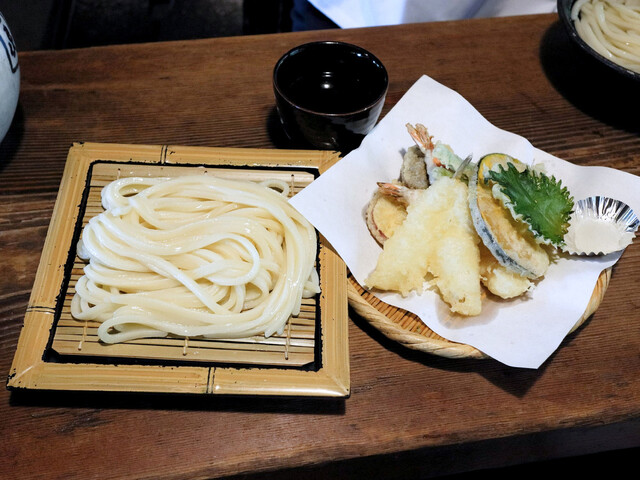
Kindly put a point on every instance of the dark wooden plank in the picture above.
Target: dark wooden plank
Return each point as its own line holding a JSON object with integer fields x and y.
{"x": 408, "y": 412}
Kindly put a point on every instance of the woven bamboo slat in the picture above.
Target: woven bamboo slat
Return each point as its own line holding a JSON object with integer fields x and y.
{"x": 56, "y": 351}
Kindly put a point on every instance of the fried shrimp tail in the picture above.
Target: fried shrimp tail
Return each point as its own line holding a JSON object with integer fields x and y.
{"x": 421, "y": 136}
{"x": 400, "y": 193}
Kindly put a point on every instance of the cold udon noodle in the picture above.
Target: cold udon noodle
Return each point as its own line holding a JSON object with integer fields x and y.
{"x": 611, "y": 28}
{"x": 194, "y": 256}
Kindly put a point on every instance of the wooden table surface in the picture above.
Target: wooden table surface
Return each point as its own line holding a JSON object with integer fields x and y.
{"x": 409, "y": 414}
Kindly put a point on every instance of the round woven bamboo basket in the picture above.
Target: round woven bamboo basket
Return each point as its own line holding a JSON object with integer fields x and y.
{"x": 408, "y": 330}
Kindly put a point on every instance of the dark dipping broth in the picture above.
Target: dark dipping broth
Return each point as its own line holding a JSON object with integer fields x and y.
{"x": 330, "y": 92}
{"x": 331, "y": 81}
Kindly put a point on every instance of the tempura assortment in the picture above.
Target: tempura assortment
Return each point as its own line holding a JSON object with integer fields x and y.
{"x": 462, "y": 227}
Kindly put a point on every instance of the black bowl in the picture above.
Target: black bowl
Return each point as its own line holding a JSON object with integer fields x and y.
{"x": 329, "y": 94}
{"x": 564, "y": 12}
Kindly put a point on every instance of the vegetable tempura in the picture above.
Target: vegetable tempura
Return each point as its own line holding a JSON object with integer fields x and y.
{"x": 437, "y": 238}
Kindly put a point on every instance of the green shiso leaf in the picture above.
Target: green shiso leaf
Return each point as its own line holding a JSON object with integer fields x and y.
{"x": 539, "y": 200}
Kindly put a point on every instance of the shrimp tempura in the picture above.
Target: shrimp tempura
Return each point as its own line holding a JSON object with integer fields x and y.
{"x": 437, "y": 238}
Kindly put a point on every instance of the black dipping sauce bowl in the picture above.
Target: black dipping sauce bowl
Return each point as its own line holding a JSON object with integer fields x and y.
{"x": 329, "y": 94}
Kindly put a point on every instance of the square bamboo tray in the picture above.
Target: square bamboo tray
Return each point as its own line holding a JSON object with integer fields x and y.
{"x": 57, "y": 352}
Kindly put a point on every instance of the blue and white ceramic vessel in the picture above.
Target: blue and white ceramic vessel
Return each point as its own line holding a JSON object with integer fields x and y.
{"x": 9, "y": 77}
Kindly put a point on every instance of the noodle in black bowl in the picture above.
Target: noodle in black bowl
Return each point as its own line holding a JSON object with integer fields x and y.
{"x": 564, "y": 12}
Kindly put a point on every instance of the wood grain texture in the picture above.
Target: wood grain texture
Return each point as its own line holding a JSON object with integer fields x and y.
{"x": 410, "y": 414}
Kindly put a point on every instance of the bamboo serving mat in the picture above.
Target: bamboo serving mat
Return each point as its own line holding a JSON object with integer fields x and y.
{"x": 295, "y": 347}
{"x": 56, "y": 351}
{"x": 408, "y": 330}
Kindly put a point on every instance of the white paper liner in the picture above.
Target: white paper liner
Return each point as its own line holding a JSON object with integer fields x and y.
{"x": 522, "y": 332}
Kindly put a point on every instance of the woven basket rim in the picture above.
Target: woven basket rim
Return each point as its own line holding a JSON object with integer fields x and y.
{"x": 424, "y": 341}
